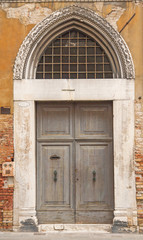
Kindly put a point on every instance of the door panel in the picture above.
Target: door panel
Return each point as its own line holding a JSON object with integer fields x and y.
{"x": 56, "y": 216}
{"x": 54, "y": 121}
{"x": 93, "y": 120}
{"x": 74, "y": 162}
{"x": 94, "y": 217}
{"x": 94, "y": 184}
{"x": 55, "y": 172}
{"x": 55, "y": 190}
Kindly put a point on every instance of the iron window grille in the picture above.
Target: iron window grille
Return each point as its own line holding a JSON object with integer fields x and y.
{"x": 74, "y": 55}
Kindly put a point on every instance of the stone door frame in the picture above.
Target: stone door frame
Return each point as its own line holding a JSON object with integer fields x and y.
{"x": 27, "y": 91}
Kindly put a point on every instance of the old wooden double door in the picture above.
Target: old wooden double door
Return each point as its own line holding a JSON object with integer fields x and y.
{"x": 74, "y": 162}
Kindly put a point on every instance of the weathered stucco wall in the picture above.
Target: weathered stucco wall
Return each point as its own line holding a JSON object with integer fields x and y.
{"x": 17, "y": 19}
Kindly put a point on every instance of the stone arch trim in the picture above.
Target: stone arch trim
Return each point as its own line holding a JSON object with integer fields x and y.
{"x": 84, "y": 15}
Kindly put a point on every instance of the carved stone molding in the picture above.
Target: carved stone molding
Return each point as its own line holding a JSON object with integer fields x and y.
{"x": 38, "y": 32}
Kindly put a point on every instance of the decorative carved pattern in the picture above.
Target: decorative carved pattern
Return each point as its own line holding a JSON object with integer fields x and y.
{"x": 107, "y": 30}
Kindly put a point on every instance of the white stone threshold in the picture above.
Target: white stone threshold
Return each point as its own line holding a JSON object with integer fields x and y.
{"x": 97, "y": 228}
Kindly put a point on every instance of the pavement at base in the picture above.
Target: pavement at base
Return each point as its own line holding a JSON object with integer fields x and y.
{"x": 68, "y": 236}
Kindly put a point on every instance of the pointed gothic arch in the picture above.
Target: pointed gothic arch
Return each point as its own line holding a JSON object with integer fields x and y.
{"x": 67, "y": 18}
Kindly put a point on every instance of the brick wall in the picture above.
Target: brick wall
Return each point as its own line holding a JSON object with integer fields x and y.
{"x": 139, "y": 159}
{"x": 6, "y": 183}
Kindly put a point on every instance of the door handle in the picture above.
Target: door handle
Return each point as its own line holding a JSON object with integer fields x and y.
{"x": 94, "y": 175}
{"x": 55, "y": 176}
{"x": 54, "y": 157}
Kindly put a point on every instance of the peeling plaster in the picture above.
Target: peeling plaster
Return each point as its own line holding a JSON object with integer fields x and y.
{"x": 28, "y": 13}
{"x": 114, "y": 16}
{"x": 34, "y": 13}
{"x": 99, "y": 7}
{"x": 137, "y": 3}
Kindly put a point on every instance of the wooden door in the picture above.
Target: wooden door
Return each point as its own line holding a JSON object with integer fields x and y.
{"x": 74, "y": 163}
{"x": 94, "y": 163}
{"x": 55, "y": 163}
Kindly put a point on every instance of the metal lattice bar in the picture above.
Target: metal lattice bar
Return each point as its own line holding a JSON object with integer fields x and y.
{"x": 74, "y": 55}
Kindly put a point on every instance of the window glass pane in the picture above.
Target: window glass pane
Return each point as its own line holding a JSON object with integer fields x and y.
{"x": 65, "y": 50}
{"x": 73, "y": 51}
{"x": 107, "y": 67}
{"x": 56, "y": 42}
{"x": 56, "y": 50}
{"x": 56, "y": 75}
{"x": 81, "y": 35}
{"x": 48, "y": 59}
{"x": 56, "y": 59}
{"x": 82, "y": 67}
{"x": 91, "y": 67}
{"x": 65, "y": 67}
{"x": 48, "y": 76}
{"x": 106, "y": 60}
{"x": 73, "y": 42}
{"x": 82, "y": 42}
{"x": 48, "y": 68}
{"x": 48, "y": 51}
{"x": 65, "y": 42}
{"x": 65, "y": 76}
{"x": 40, "y": 68}
{"x": 99, "y": 59}
{"x": 73, "y": 75}
{"x": 73, "y": 34}
{"x": 39, "y": 76}
{"x": 65, "y": 59}
{"x": 90, "y": 75}
{"x": 99, "y": 75}
{"x": 91, "y": 59}
{"x": 73, "y": 59}
{"x": 82, "y": 59}
{"x": 99, "y": 67}
{"x": 66, "y": 35}
{"x": 90, "y": 42}
{"x": 99, "y": 50}
{"x": 82, "y": 75}
{"x": 82, "y": 50}
{"x": 90, "y": 50}
{"x": 41, "y": 60}
{"x": 73, "y": 67}
{"x": 108, "y": 75}
{"x": 56, "y": 67}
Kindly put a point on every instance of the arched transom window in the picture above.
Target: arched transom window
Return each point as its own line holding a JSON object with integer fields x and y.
{"x": 74, "y": 55}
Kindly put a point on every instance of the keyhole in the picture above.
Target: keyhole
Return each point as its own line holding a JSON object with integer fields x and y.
{"x": 55, "y": 176}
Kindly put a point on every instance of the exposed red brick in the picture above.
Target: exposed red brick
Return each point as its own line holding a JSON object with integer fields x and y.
{"x": 139, "y": 159}
{"x": 6, "y": 154}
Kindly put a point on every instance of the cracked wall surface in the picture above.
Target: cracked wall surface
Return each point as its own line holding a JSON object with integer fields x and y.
{"x": 113, "y": 16}
{"x": 27, "y": 14}
{"x": 33, "y": 13}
